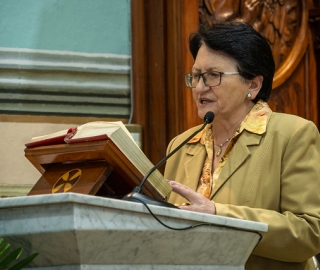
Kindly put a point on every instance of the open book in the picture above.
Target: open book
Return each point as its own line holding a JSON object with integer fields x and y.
{"x": 92, "y": 131}
{"x": 117, "y": 134}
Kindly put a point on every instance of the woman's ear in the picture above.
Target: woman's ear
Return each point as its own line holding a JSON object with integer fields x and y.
{"x": 255, "y": 86}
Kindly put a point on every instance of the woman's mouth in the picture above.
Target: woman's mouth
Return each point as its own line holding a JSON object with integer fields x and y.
{"x": 205, "y": 101}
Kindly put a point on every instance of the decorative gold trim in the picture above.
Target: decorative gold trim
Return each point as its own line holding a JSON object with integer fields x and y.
{"x": 14, "y": 190}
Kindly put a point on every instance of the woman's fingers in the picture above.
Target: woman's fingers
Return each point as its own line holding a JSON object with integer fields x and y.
{"x": 199, "y": 203}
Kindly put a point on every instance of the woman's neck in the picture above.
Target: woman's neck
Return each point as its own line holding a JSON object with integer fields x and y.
{"x": 224, "y": 129}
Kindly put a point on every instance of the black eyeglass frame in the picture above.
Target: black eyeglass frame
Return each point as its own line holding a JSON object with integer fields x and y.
{"x": 189, "y": 75}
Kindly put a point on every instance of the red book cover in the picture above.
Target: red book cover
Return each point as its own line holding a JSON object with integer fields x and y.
{"x": 51, "y": 139}
{"x": 68, "y": 139}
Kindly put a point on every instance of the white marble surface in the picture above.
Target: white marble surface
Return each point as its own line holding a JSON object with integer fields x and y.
{"x": 75, "y": 231}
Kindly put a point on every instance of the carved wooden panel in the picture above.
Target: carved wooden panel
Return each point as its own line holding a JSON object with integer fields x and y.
{"x": 284, "y": 23}
{"x": 314, "y": 21}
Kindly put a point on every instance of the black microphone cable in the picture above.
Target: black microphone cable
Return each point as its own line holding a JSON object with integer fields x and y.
{"x": 196, "y": 225}
{"x": 172, "y": 228}
{"x": 137, "y": 196}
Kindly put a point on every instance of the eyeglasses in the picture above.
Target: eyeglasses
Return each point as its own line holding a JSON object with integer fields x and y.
{"x": 210, "y": 78}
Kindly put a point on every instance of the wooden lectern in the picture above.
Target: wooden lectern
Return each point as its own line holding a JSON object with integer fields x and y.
{"x": 96, "y": 168}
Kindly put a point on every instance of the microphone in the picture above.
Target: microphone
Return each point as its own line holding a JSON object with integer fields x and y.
{"x": 136, "y": 194}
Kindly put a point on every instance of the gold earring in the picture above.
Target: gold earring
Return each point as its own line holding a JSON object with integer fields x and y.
{"x": 249, "y": 95}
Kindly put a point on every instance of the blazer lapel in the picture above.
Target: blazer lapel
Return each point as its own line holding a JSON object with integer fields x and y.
{"x": 237, "y": 156}
{"x": 193, "y": 166}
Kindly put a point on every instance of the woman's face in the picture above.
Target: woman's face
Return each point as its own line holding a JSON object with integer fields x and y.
{"x": 227, "y": 99}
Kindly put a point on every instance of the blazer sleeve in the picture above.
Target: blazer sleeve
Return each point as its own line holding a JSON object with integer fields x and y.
{"x": 293, "y": 232}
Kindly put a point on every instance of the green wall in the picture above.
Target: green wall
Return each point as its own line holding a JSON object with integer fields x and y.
{"x": 90, "y": 26}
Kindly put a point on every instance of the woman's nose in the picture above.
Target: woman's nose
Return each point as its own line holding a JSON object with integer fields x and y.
{"x": 201, "y": 85}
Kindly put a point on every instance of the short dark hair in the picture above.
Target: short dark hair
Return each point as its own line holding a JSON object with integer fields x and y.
{"x": 243, "y": 43}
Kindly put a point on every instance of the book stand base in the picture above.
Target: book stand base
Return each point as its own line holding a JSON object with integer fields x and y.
{"x": 95, "y": 168}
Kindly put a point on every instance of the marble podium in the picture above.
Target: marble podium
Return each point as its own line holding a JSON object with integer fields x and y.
{"x": 75, "y": 231}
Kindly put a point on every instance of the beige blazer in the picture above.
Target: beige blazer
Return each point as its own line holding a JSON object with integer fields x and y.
{"x": 272, "y": 178}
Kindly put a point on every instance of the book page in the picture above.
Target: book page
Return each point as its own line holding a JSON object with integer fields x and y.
{"x": 97, "y": 128}
{"x": 51, "y": 135}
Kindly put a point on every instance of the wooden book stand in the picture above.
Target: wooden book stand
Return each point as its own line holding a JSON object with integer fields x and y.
{"x": 96, "y": 168}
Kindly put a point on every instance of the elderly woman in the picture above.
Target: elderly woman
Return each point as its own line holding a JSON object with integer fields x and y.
{"x": 250, "y": 163}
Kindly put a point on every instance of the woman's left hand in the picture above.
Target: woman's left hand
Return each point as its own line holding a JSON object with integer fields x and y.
{"x": 199, "y": 203}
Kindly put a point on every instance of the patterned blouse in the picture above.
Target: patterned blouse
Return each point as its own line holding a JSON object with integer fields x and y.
{"x": 255, "y": 122}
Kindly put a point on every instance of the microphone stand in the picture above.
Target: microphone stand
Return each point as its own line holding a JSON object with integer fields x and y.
{"x": 136, "y": 194}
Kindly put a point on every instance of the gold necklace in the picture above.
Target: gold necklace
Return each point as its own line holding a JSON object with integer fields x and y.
{"x": 218, "y": 153}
